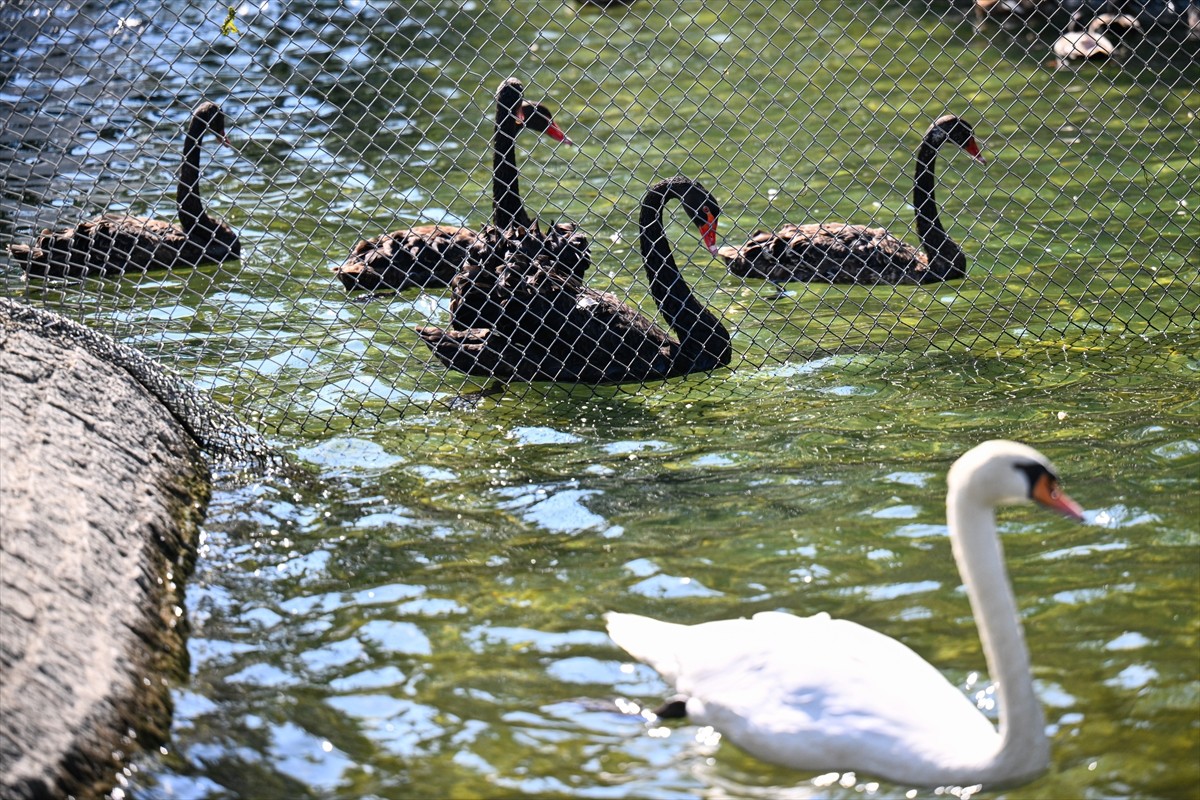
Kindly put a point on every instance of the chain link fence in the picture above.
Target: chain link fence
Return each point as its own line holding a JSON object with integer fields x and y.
{"x": 377, "y": 251}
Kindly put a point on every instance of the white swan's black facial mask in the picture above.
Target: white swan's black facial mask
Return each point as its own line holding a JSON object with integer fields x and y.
{"x": 1043, "y": 489}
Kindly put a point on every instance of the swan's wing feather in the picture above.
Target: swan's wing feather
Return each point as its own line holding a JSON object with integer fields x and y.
{"x": 424, "y": 255}
{"x": 807, "y": 691}
{"x": 108, "y": 245}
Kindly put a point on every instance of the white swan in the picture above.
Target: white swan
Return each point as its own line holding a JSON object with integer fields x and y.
{"x": 1105, "y": 34}
{"x": 817, "y": 693}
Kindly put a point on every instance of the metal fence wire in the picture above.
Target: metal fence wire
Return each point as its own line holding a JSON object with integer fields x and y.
{"x": 422, "y": 199}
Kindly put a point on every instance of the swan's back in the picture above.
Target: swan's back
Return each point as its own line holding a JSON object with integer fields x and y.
{"x": 815, "y": 693}
{"x": 519, "y": 311}
{"x": 827, "y": 252}
{"x": 112, "y": 244}
{"x": 554, "y": 331}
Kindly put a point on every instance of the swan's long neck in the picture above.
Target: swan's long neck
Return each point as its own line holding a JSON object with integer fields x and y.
{"x": 507, "y": 208}
{"x": 187, "y": 196}
{"x": 704, "y": 343}
{"x": 946, "y": 259}
{"x": 977, "y": 551}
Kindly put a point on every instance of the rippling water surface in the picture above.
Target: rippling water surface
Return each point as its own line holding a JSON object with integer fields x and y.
{"x": 416, "y": 611}
{"x": 422, "y": 616}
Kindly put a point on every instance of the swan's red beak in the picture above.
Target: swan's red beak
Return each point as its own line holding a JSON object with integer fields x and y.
{"x": 552, "y": 129}
{"x": 708, "y": 232}
{"x": 1046, "y": 492}
{"x": 972, "y": 147}
{"x": 555, "y": 133}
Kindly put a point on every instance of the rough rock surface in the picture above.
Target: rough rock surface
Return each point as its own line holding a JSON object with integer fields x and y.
{"x": 101, "y": 494}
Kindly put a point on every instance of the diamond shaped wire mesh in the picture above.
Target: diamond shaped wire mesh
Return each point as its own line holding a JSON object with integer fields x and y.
{"x": 350, "y": 120}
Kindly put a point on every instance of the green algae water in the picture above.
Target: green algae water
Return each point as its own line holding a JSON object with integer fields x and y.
{"x": 423, "y": 618}
{"x": 417, "y": 612}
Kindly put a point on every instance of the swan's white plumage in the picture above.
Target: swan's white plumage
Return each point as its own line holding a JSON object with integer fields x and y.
{"x": 809, "y": 692}
{"x": 820, "y": 693}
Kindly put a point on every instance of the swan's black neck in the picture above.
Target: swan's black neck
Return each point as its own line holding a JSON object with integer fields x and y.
{"x": 507, "y": 208}
{"x": 704, "y": 343}
{"x": 946, "y": 259}
{"x": 192, "y": 216}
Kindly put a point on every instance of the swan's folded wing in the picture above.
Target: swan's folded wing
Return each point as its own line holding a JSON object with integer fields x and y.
{"x": 425, "y": 255}
{"x": 106, "y": 245}
{"x": 808, "y": 691}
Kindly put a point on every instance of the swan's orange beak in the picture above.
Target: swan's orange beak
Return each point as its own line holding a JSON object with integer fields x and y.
{"x": 1046, "y": 492}
{"x": 708, "y": 232}
{"x": 972, "y": 147}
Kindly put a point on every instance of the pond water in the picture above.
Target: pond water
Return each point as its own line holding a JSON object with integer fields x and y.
{"x": 423, "y": 617}
{"x": 417, "y": 611}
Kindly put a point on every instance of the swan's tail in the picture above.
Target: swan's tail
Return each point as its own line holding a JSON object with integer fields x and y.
{"x": 729, "y": 253}
{"x": 34, "y": 260}
{"x": 759, "y": 256}
{"x": 648, "y": 640}
{"x": 380, "y": 263}
{"x": 426, "y": 256}
{"x": 23, "y": 254}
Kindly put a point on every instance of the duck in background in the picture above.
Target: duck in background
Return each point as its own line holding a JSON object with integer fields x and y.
{"x": 1102, "y": 38}
{"x": 1005, "y": 11}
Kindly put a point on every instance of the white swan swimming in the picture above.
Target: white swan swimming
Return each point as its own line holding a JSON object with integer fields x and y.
{"x": 817, "y": 693}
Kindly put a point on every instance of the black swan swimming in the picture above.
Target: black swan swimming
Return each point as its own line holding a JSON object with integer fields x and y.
{"x": 542, "y": 324}
{"x": 431, "y": 255}
{"x": 112, "y": 244}
{"x": 835, "y": 252}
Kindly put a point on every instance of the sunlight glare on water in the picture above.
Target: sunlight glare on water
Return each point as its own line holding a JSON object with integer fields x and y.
{"x": 438, "y": 620}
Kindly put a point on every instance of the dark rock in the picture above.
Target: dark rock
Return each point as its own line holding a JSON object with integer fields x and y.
{"x": 101, "y": 494}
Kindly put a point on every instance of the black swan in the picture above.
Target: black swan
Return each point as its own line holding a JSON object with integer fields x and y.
{"x": 543, "y": 324}
{"x": 835, "y": 252}
{"x": 431, "y": 255}
{"x": 112, "y": 244}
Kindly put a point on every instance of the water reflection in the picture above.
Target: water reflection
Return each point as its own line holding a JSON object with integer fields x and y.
{"x": 468, "y": 651}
